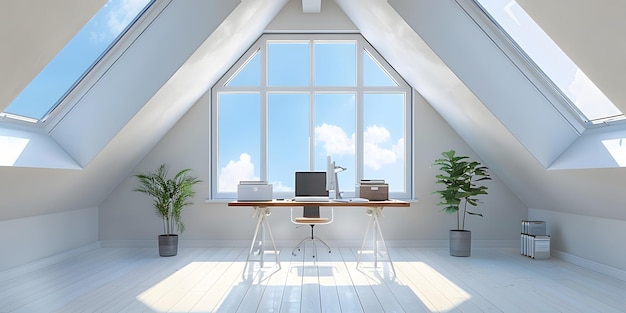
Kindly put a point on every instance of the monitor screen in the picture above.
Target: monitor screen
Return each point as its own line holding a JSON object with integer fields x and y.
{"x": 311, "y": 184}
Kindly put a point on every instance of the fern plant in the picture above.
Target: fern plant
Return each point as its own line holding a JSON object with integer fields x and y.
{"x": 169, "y": 195}
{"x": 461, "y": 180}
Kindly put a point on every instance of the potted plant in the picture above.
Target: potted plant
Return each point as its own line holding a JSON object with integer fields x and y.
{"x": 461, "y": 180}
{"x": 169, "y": 198}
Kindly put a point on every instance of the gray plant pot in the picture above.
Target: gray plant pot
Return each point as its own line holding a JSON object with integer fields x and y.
{"x": 460, "y": 242}
{"x": 168, "y": 245}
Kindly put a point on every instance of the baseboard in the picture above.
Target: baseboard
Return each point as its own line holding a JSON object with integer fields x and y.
{"x": 590, "y": 265}
{"x": 499, "y": 244}
{"x": 291, "y": 243}
{"x": 181, "y": 243}
{"x": 191, "y": 243}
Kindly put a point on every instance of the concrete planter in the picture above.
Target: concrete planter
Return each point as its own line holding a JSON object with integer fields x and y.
{"x": 168, "y": 245}
{"x": 460, "y": 242}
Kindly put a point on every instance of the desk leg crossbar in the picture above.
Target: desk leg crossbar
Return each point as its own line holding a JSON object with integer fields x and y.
{"x": 262, "y": 225}
{"x": 381, "y": 252}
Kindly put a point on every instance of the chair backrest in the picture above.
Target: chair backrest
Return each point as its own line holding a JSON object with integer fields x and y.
{"x": 311, "y": 211}
{"x": 311, "y": 215}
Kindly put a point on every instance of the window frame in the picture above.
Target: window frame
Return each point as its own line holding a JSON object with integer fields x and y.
{"x": 362, "y": 46}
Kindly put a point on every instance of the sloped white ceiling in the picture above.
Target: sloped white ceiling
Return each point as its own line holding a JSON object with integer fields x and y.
{"x": 59, "y": 190}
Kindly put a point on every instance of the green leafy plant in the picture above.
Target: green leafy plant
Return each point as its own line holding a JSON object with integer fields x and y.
{"x": 169, "y": 195}
{"x": 461, "y": 179}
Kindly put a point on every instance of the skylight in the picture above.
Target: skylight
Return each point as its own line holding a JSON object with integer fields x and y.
{"x": 587, "y": 100}
{"x": 78, "y": 57}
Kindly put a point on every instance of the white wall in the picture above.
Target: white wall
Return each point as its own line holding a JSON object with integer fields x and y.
{"x": 592, "y": 242}
{"x": 128, "y": 216}
{"x": 32, "y": 238}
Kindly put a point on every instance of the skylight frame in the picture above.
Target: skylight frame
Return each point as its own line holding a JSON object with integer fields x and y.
{"x": 94, "y": 71}
{"x": 555, "y": 94}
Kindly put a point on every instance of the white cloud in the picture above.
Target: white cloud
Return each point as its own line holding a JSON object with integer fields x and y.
{"x": 99, "y": 36}
{"x": 375, "y": 155}
{"x": 398, "y": 148}
{"x": 124, "y": 12}
{"x": 120, "y": 13}
{"x": 334, "y": 140}
{"x": 278, "y": 186}
{"x": 376, "y": 134}
{"x": 236, "y": 171}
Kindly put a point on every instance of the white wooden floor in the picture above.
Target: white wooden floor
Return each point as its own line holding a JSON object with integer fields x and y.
{"x": 217, "y": 280}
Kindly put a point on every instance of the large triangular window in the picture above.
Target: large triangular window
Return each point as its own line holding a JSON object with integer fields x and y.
{"x": 292, "y": 100}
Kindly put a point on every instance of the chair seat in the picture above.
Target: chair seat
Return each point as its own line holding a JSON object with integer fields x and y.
{"x": 311, "y": 217}
{"x": 311, "y": 220}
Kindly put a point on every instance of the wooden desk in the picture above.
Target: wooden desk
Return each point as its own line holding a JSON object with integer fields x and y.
{"x": 289, "y": 203}
{"x": 374, "y": 209}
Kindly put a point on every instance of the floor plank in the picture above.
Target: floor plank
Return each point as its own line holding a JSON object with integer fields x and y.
{"x": 367, "y": 296}
{"x": 220, "y": 280}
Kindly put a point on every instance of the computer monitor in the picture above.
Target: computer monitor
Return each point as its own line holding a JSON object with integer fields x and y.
{"x": 311, "y": 186}
{"x": 331, "y": 177}
{"x": 332, "y": 182}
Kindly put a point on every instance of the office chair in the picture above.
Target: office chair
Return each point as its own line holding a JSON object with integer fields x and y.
{"x": 311, "y": 217}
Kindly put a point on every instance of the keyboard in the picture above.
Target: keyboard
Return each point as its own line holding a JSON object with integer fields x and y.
{"x": 351, "y": 200}
{"x": 311, "y": 199}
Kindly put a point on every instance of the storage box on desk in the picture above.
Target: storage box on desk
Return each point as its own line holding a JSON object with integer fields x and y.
{"x": 374, "y": 191}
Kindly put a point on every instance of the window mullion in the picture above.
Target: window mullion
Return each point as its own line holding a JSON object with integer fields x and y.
{"x": 264, "y": 111}
{"x": 359, "y": 112}
{"x": 311, "y": 105}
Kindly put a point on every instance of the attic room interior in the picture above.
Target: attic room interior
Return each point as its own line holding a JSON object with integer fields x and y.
{"x": 77, "y": 237}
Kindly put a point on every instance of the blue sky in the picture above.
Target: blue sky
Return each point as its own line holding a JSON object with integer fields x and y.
{"x": 75, "y": 58}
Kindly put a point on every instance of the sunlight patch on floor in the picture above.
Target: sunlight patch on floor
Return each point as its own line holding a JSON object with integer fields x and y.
{"x": 437, "y": 292}
{"x": 432, "y": 288}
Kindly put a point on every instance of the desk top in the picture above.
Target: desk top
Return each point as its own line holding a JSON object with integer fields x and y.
{"x": 288, "y": 203}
